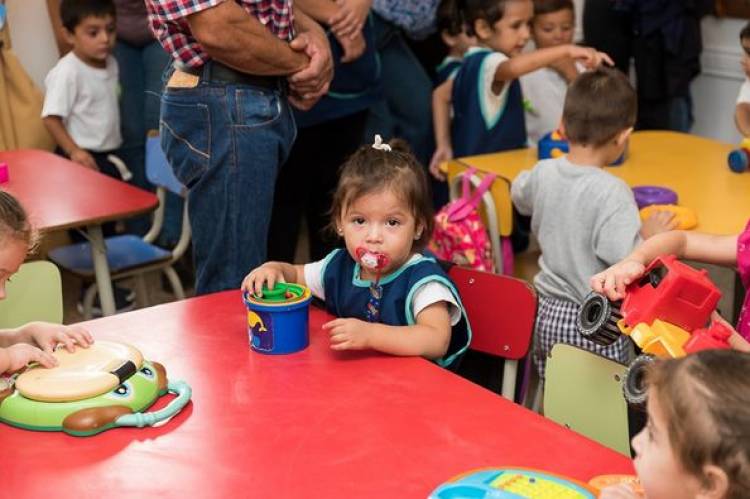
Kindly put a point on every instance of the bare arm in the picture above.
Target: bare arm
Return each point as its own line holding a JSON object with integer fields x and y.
{"x": 53, "y": 9}
{"x": 742, "y": 118}
{"x": 320, "y": 10}
{"x": 441, "y": 116}
{"x": 56, "y": 128}
{"x": 428, "y": 338}
{"x": 235, "y": 38}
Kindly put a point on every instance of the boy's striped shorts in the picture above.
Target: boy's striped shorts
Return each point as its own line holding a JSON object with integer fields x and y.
{"x": 556, "y": 323}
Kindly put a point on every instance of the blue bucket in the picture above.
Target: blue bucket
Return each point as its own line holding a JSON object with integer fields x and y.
{"x": 277, "y": 322}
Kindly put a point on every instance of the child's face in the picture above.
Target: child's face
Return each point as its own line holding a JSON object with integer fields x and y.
{"x": 12, "y": 255}
{"x": 93, "y": 39}
{"x": 553, "y": 28}
{"x": 746, "y": 56}
{"x": 659, "y": 472}
{"x": 380, "y": 222}
{"x": 511, "y": 33}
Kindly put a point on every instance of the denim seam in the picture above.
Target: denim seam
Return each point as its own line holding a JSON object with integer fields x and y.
{"x": 241, "y": 115}
{"x": 206, "y": 155}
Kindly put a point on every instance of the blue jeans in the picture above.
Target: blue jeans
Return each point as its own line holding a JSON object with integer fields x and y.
{"x": 141, "y": 70}
{"x": 405, "y": 110}
{"x": 226, "y": 143}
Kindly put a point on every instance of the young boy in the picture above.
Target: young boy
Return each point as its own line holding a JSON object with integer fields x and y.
{"x": 584, "y": 218}
{"x": 80, "y": 107}
{"x": 742, "y": 110}
{"x": 454, "y": 36}
{"x": 544, "y": 89}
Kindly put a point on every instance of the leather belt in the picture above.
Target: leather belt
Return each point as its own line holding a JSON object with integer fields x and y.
{"x": 214, "y": 71}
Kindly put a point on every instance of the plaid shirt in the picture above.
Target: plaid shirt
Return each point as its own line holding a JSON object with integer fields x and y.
{"x": 167, "y": 19}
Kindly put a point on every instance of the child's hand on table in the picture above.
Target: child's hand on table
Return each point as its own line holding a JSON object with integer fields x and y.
{"x": 20, "y": 354}
{"x": 47, "y": 336}
{"x": 269, "y": 274}
{"x": 348, "y": 334}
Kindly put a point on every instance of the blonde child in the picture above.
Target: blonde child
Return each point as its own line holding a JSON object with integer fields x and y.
{"x": 583, "y": 217}
{"x": 485, "y": 95}
{"x": 33, "y": 342}
{"x": 544, "y": 89}
{"x": 730, "y": 251}
{"x": 453, "y": 33}
{"x": 387, "y": 295}
{"x": 742, "y": 108}
{"x": 696, "y": 443}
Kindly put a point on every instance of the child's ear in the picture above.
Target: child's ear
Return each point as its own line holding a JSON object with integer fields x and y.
{"x": 419, "y": 230}
{"x": 623, "y": 136}
{"x": 561, "y": 128}
{"x": 69, "y": 36}
{"x": 714, "y": 483}
{"x": 482, "y": 29}
{"x": 448, "y": 39}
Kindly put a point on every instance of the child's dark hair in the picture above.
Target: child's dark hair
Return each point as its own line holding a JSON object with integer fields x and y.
{"x": 704, "y": 400}
{"x": 745, "y": 33}
{"x": 548, "y": 6}
{"x": 14, "y": 222}
{"x": 491, "y": 11}
{"x": 599, "y": 105}
{"x": 72, "y": 12}
{"x": 371, "y": 170}
{"x": 449, "y": 19}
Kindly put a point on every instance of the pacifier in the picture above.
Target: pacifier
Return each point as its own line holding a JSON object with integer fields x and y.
{"x": 372, "y": 260}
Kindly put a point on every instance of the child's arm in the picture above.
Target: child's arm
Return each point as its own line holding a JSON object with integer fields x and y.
{"x": 742, "y": 118}
{"x": 56, "y": 128}
{"x": 428, "y": 338}
{"x": 708, "y": 248}
{"x": 658, "y": 222}
{"x": 528, "y": 62}
{"x": 270, "y": 273}
{"x": 441, "y": 116}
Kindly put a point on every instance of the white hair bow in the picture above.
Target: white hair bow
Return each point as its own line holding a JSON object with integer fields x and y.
{"x": 380, "y": 145}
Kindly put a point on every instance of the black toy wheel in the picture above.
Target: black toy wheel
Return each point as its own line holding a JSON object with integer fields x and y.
{"x": 597, "y": 320}
{"x": 634, "y": 387}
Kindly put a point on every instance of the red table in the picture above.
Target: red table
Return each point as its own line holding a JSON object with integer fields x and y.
{"x": 59, "y": 194}
{"x": 312, "y": 424}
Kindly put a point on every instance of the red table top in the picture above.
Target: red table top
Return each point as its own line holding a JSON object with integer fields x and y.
{"x": 59, "y": 194}
{"x": 312, "y": 424}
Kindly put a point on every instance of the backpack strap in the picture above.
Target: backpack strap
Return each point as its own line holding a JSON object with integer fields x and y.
{"x": 468, "y": 203}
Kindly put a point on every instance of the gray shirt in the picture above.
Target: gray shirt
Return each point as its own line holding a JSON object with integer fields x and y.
{"x": 584, "y": 218}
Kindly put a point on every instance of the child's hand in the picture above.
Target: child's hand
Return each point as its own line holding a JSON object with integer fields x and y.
{"x": 354, "y": 46}
{"x": 350, "y": 19}
{"x": 619, "y": 491}
{"x": 613, "y": 281}
{"x": 47, "y": 336}
{"x": 20, "y": 354}
{"x": 84, "y": 158}
{"x": 441, "y": 155}
{"x": 590, "y": 58}
{"x": 736, "y": 341}
{"x": 348, "y": 334}
{"x": 268, "y": 273}
{"x": 658, "y": 222}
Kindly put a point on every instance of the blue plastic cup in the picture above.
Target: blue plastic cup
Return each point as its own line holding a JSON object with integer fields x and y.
{"x": 277, "y": 322}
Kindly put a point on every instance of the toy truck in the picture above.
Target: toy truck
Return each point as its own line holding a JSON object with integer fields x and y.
{"x": 667, "y": 313}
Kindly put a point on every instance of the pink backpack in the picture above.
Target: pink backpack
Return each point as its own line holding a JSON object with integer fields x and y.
{"x": 460, "y": 236}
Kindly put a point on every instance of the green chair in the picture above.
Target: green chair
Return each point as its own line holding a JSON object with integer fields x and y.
{"x": 34, "y": 293}
{"x": 583, "y": 391}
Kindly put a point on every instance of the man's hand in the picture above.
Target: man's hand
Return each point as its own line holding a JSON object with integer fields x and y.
{"x": 311, "y": 83}
{"x": 350, "y": 19}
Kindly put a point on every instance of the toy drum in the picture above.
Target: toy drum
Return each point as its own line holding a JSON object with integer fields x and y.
{"x": 277, "y": 321}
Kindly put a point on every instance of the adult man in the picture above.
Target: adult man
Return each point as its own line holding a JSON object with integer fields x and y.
{"x": 225, "y": 124}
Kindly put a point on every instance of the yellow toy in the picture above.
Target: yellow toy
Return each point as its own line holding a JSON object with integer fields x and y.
{"x": 686, "y": 217}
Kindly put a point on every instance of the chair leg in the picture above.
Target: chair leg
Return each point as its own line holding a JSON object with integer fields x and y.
{"x": 509, "y": 379}
{"x": 174, "y": 281}
{"x": 88, "y": 301}
{"x": 141, "y": 291}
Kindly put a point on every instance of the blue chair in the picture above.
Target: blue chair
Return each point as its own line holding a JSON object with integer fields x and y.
{"x": 128, "y": 255}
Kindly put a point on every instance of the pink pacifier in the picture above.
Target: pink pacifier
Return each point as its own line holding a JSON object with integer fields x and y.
{"x": 372, "y": 260}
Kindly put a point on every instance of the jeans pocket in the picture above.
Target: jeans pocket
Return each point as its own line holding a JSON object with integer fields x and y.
{"x": 256, "y": 108}
{"x": 186, "y": 139}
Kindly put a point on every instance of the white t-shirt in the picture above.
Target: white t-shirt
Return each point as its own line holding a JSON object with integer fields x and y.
{"x": 744, "y": 95}
{"x": 426, "y": 295}
{"x": 85, "y": 98}
{"x": 544, "y": 96}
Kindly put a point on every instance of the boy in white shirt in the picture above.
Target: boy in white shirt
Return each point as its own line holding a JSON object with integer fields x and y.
{"x": 81, "y": 107}
{"x": 742, "y": 110}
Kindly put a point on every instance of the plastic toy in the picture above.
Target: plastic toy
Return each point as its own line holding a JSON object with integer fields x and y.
{"x": 739, "y": 159}
{"x": 4, "y": 174}
{"x": 277, "y": 320}
{"x": 686, "y": 217}
{"x": 512, "y": 483}
{"x": 107, "y": 385}
{"x": 554, "y": 145}
{"x": 666, "y": 314}
{"x": 646, "y": 195}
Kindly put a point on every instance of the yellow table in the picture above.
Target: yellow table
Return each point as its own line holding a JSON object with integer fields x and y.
{"x": 694, "y": 167}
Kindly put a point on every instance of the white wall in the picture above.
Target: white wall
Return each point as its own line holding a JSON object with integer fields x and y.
{"x": 32, "y": 38}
